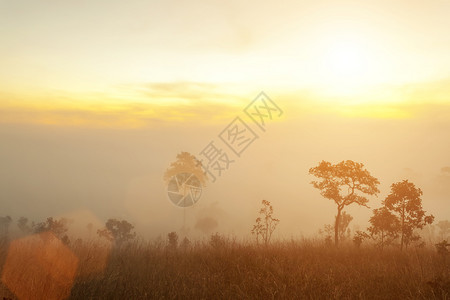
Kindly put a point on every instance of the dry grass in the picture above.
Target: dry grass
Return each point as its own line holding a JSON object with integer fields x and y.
{"x": 233, "y": 270}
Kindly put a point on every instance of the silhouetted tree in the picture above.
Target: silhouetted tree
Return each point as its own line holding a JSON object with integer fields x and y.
{"x": 266, "y": 224}
{"x": 217, "y": 241}
{"x": 117, "y": 231}
{"x": 23, "y": 225}
{"x": 359, "y": 237}
{"x": 345, "y": 183}
{"x": 4, "y": 226}
{"x": 442, "y": 248}
{"x": 58, "y": 227}
{"x": 185, "y": 243}
{"x": 384, "y": 226}
{"x": 344, "y": 221}
{"x": 186, "y": 163}
{"x": 172, "y": 238}
{"x": 444, "y": 229}
{"x": 406, "y": 202}
{"x": 327, "y": 231}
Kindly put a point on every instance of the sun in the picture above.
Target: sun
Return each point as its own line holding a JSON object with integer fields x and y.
{"x": 348, "y": 65}
{"x": 347, "y": 61}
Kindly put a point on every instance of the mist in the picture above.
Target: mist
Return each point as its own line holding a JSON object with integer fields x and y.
{"x": 51, "y": 170}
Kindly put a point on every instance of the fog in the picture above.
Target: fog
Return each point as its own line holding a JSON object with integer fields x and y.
{"x": 50, "y": 170}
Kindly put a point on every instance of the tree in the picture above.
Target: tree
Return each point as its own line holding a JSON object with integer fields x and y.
{"x": 348, "y": 176}
{"x": 22, "y": 223}
{"x": 266, "y": 224}
{"x": 444, "y": 229}
{"x": 185, "y": 243}
{"x": 405, "y": 201}
{"x": 359, "y": 237}
{"x": 344, "y": 221}
{"x": 172, "y": 237}
{"x": 117, "y": 231}
{"x": 58, "y": 227}
{"x": 217, "y": 241}
{"x": 328, "y": 229}
{"x": 186, "y": 163}
{"x": 442, "y": 248}
{"x": 384, "y": 226}
{"x": 4, "y": 226}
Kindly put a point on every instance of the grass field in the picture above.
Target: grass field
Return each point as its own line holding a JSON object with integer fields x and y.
{"x": 232, "y": 270}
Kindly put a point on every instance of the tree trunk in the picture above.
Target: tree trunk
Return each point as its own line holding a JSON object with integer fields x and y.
{"x": 403, "y": 227}
{"x": 336, "y": 227}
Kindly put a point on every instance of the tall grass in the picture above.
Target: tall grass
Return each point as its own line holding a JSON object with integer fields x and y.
{"x": 283, "y": 270}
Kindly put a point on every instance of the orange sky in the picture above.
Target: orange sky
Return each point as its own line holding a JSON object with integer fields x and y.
{"x": 84, "y": 63}
{"x": 98, "y": 97}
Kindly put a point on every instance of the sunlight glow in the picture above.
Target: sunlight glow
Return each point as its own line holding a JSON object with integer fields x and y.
{"x": 347, "y": 61}
{"x": 346, "y": 67}
{"x": 348, "y": 64}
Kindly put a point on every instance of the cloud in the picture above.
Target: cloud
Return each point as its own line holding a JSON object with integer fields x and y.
{"x": 185, "y": 93}
{"x": 129, "y": 106}
{"x": 192, "y": 91}
{"x": 155, "y": 104}
{"x": 427, "y": 100}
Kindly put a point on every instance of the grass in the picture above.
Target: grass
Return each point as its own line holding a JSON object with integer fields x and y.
{"x": 283, "y": 270}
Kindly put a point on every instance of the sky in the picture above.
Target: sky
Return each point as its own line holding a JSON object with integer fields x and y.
{"x": 98, "y": 97}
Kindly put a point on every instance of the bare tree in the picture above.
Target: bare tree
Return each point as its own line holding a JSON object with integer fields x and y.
{"x": 347, "y": 176}
{"x": 266, "y": 224}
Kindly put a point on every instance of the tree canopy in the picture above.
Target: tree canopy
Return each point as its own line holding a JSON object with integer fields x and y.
{"x": 405, "y": 201}
{"x": 384, "y": 226}
{"x": 345, "y": 183}
{"x": 186, "y": 163}
{"x": 117, "y": 231}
